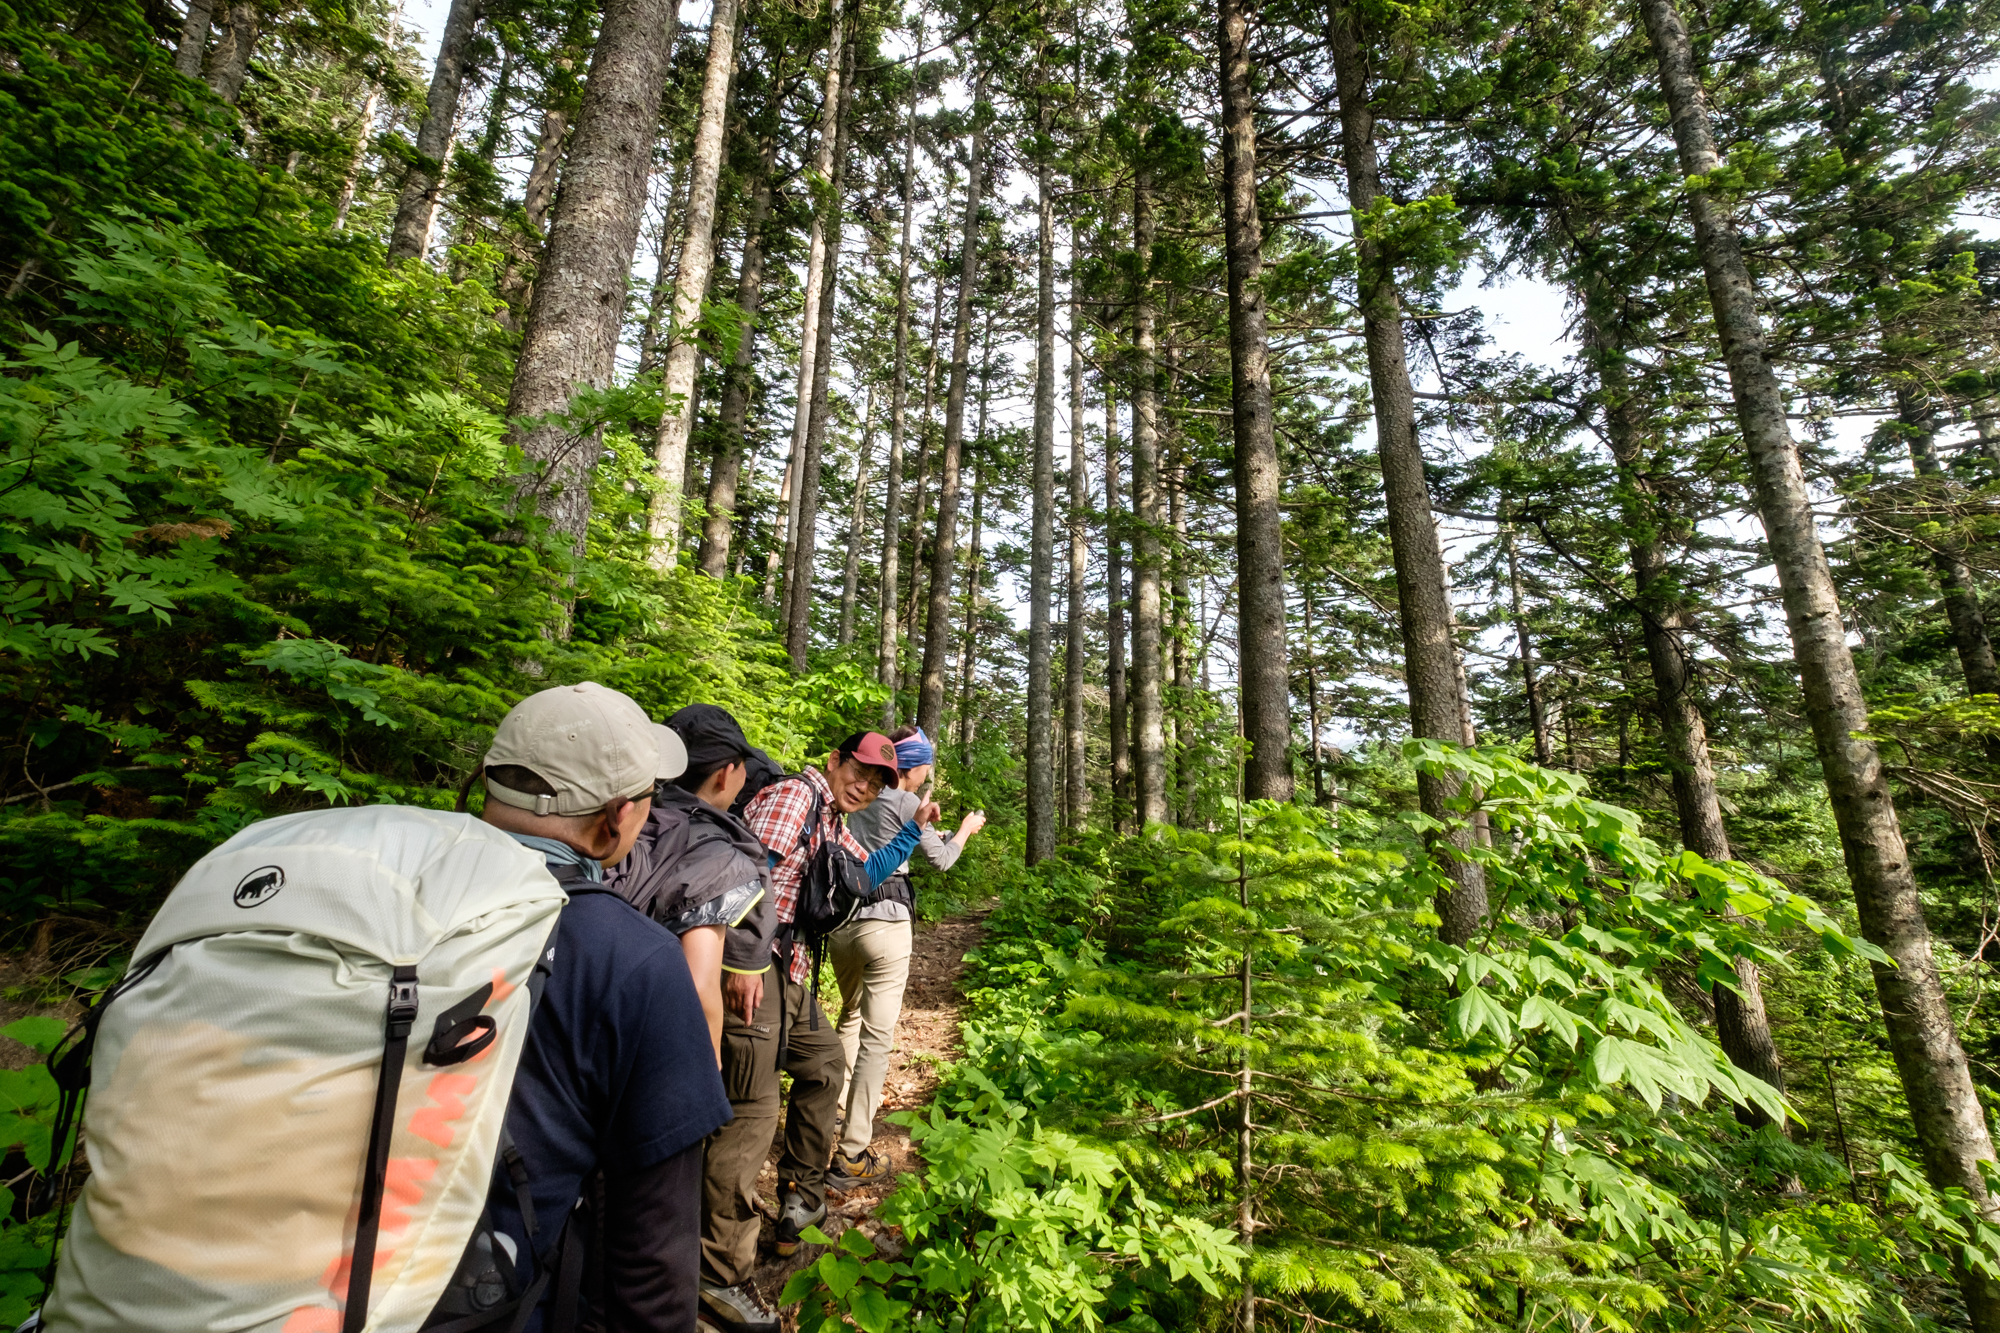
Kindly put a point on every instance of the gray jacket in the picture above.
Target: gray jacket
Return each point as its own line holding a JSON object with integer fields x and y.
{"x": 694, "y": 866}
{"x": 877, "y": 823}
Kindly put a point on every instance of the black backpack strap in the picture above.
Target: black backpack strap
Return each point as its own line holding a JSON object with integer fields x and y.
{"x": 402, "y": 1014}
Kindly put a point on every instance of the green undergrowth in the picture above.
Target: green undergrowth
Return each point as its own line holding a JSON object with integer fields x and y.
{"x": 1529, "y": 1132}
{"x": 240, "y": 577}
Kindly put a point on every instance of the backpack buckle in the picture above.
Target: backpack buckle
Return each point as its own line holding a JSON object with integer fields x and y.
{"x": 402, "y": 1001}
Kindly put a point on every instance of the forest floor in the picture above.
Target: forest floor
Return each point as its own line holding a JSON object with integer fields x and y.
{"x": 926, "y": 1038}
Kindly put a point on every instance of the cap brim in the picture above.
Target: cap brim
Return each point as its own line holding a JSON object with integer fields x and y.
{"x": 673, "y": 753}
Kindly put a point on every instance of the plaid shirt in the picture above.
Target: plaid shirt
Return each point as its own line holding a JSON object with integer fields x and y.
{"x": 778, "y": 817}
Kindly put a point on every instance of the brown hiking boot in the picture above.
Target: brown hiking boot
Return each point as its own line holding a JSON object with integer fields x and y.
{"x": 853, "y": 1173}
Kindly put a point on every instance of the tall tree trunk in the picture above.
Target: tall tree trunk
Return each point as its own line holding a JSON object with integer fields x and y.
{"x": 811, "y": 323}
{"x": 424, "y": 182}
{"x": 538, "y": 196}
{"x": 1041, "y": 834}
{"x": 1743, "y": 1027}
{"x": 1918, "y": 422}
{"x": 670, "y": 446}
{"x": 229, "y": 62}
{"x": 919, "y": 571}
{"x": 740, "y": 380}
{"x": 806, "y": 543}
{"x": 1148, "y": 721}
{"x": 1114, "y": 611}
{"x": 1429, "y": 651}
{"x": 572, "y": 334}
{"x": 937, "y": 625}
{"x": 1260, "y": 561}
{"x": 1312, "y": 699}
{"x": 780, "y": 553}
{"x": 351, "y": 182}
{"x": 1944, "y": 1103}
{"x": 1075, "y": 661}
{"x": 1531, "y": 685}
{"x": 975, "y": 556}
{"x": 194, "y": 39}
{"x": 1181, "y": 640}
{"x": 850, "y": 579}
{"x": 890, "y": 593}
{"x": 975, "y": 570}
{"x": 672, "y": 209}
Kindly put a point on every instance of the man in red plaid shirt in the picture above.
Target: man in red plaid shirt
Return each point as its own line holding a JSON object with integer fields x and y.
{"x": 789, "y": 1032}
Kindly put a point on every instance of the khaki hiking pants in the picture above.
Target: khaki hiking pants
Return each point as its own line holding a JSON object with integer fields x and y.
{"x": 871, "y": 959}
{"x": 737, "y": 1151}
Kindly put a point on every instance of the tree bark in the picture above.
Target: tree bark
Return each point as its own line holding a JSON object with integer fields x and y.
{"x": 1429, "y": 651}
{"x": 1263, "y": 673}
{"x": 1312, "y": 699}
{"x": 850, "y": 578}
{"x": 670, "y": 446}
{"x": 1955, "y": 583}
{"x": 1180, "y": 640}
{"x": 229, "y": 62}
{"x": 1149, "y": 741}
{"x": 740, "y": 379}
{"x": 781, "y": 540}
{"x": 540, "y": 192}
{"x": 806, "y": 543}
{"x": 1114, "y": 610}
{"x": 424, "y": 182}
{"x": 937, "y": 625}
{"x": 810, "y": 326}
{"x": 573, "y": 324}
{"x": 1076, "y": 806}
{"x": 919, "y": 571}
{"x": 1937, "y": 1082}
{"x": 1041, "y": 802}
{"x": 661, "y": 296}
{"x": 351, "y": 182}
{"x": 1743, "y": 1027}
{"x": 975, "y": 570}
{"x": 1531, "y": 684}
{"x": 194, "y": 38}
{"x": 890, "y": 593}
{"x": 516, "y": 286}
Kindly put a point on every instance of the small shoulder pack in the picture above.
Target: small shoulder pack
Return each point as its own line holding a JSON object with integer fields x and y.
{"x": 297, "y": 1094}
{"x": 833, "y": 886}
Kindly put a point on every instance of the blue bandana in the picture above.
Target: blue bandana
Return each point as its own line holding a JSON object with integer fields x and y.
{"x": 915, "y": 752}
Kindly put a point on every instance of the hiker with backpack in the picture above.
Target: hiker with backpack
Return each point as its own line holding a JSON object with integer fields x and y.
{"x": 365, "y": 1061}
{"x": 819, "y": 875}
{"x": 698, "y": 870}
{"x": 871, "y": 957}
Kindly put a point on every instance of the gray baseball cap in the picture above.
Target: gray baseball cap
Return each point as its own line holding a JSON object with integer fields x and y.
{"x": 592, "y": 744}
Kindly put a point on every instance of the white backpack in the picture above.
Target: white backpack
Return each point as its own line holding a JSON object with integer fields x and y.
{"x": 314, "y": 981}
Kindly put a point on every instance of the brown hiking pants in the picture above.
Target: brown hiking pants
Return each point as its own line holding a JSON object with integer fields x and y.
{"x": 736, "y": 1152}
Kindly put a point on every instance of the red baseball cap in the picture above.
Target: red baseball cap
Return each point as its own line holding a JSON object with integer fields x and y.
{"x": 872, "y": 748}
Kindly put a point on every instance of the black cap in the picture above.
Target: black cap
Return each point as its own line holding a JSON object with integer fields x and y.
{"x": 711, "y": 736}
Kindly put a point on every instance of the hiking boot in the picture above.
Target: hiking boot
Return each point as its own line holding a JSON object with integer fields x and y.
{"x": 737, "y": 1309}
{"x": 795, "y": 1216}
{"x": 853, "y": 1173}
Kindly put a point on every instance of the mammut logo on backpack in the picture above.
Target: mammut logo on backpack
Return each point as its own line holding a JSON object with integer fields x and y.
{"x": 259, "y": 886}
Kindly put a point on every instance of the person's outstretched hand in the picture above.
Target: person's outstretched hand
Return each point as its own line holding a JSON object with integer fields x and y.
{"x": 973, "y": 823}
{"x": 927, "y": 814}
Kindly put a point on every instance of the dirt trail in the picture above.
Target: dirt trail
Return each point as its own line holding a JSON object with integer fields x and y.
{"x": 926, "y": 1036}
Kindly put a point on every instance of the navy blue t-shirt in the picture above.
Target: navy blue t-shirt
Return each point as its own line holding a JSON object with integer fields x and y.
{"x": 618, "y": 1071}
